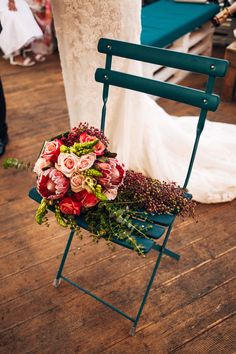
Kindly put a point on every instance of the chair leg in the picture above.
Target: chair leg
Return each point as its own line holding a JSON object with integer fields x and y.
{"x": 57, "y": 280}
{"x": 133, "y": 328}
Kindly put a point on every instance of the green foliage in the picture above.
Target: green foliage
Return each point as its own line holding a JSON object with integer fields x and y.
{"x": 15, "y": 163}
{"x": 80, "y": 148}
{"x": 113, "y": 220}
{"x": 92, "y": 172}
{"x": 40, "y": 215}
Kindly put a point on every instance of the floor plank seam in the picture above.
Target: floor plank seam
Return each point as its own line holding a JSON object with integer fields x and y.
{"x": 22, "y": 322}
{"x": 203, "y": 331}
{"x": 189, "y": 299}
{"x": 199, "y": 296}
{"x": 153, "y": 323}
{"x": 69, "y": 274}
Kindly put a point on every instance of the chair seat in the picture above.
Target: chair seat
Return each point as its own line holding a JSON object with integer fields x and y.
{"x": 145, "y": 243}
{"x": 161, "y": 219}
{"x": 155, "y": 232}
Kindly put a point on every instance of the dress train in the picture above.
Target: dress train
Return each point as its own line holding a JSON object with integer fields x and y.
{"x": 146, "y": 138}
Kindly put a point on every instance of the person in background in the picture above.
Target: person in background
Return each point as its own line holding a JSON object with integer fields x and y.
{"x": 19, "y": 30}
{"x": 222, "y": 16}
{"x": 3, "y": 124}
{"x": 42, "y": 12}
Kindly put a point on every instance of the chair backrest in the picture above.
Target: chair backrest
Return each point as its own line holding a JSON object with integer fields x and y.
{"x": 205, "y": 100}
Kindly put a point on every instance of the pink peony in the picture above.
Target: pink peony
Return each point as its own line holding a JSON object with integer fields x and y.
{"x": 67, "y": 163}
{"x": 77, "y": 183}
{"x": 99, "y": 148}
{"x": 87, "y": 199}
{"x": 86, "y": 161}
{"x": 51, "y": 150}
{"x": 70, "y": 205}
{"x": 113, "y": 173}
{"x": 41, "y": 164}
{"x": 52, "y": 184}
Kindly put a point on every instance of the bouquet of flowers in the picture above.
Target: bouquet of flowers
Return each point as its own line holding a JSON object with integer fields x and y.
{"x": 77, "y": 176}
{"x": 76, "y": 171}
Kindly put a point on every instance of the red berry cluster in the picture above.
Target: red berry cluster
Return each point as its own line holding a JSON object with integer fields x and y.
{"x": 155, "y": 196}
{"x": 72, "y": 137}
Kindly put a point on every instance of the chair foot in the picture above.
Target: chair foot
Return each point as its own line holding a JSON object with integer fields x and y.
{"x": 132, "y": 330}
{"x": 56, "y": 282}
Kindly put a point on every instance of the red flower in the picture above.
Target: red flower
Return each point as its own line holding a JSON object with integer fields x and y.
{"x": 52, "y": 184}
{"x": 70, "y": 205}
{"x": 99, "y": 147}
{"x": 52, "y": 150}
{"x": 113, "y": 173}
{"x": 87, "y": 199}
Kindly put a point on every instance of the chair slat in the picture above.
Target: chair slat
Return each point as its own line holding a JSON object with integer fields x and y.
{"x": 145, "y": 243}
{"x": 190, "y": 62}
{"x": 162, "y": 219}
{"x": 174, "y": 92}
{"x": 155, "y": 231}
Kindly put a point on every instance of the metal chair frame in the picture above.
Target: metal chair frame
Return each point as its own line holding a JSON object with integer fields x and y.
{"x": 205, "y": 100}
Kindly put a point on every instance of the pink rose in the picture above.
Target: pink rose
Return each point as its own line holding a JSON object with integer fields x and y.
{"x": 99, "y": 148}
{"x": 70, "y": 205}
{"x": 67, "y": 163}
{"x": 113, "y": 173}
{"x": 51, "y": 150}
{"x": 52, "y": 184}
{"x": 41, "y": 164}
{"x": 86, "y": 161}
{"x": 76, "y": 183}
{"x": 87, "y": 199}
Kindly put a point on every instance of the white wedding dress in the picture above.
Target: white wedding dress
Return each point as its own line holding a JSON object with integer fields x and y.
{"x": 145, "y": 137}
{"x": 19, "y": 28}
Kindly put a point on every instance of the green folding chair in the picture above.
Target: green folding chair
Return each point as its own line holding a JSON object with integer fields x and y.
{"x": 205, "y": 100}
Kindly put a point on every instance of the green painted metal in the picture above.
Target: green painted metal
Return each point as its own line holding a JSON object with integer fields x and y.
{"x": 201, "y": 123}
{"x": 173, "y": 59}
{"x": 200, "y": 127}
{"x": 105, "y": 93}
{"x": 147, "y": 244}
{"x": 154, "y": 272}
{"x": 70, "y": 238}
{"x": 174, "y": 92}
{"x": 155, "y": 232}
{"x": 166, "y": 251}
{"x": 162, "y": 219}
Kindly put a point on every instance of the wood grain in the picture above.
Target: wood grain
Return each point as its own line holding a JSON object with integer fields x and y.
{"x": 192, "y": 304}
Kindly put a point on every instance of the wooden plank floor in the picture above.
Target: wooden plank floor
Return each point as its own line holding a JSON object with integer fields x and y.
{"x": 192, "y": 306}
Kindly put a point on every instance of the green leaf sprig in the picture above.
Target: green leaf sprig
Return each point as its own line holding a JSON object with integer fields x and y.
{"x": 12, "y": 162}
{"x": 80, "y": 148}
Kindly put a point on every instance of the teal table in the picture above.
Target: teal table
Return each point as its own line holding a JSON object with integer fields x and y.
{"x": 165, "y": 21}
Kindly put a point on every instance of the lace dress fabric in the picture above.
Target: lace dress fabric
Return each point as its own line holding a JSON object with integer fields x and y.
{"x": 145, "y": 137}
